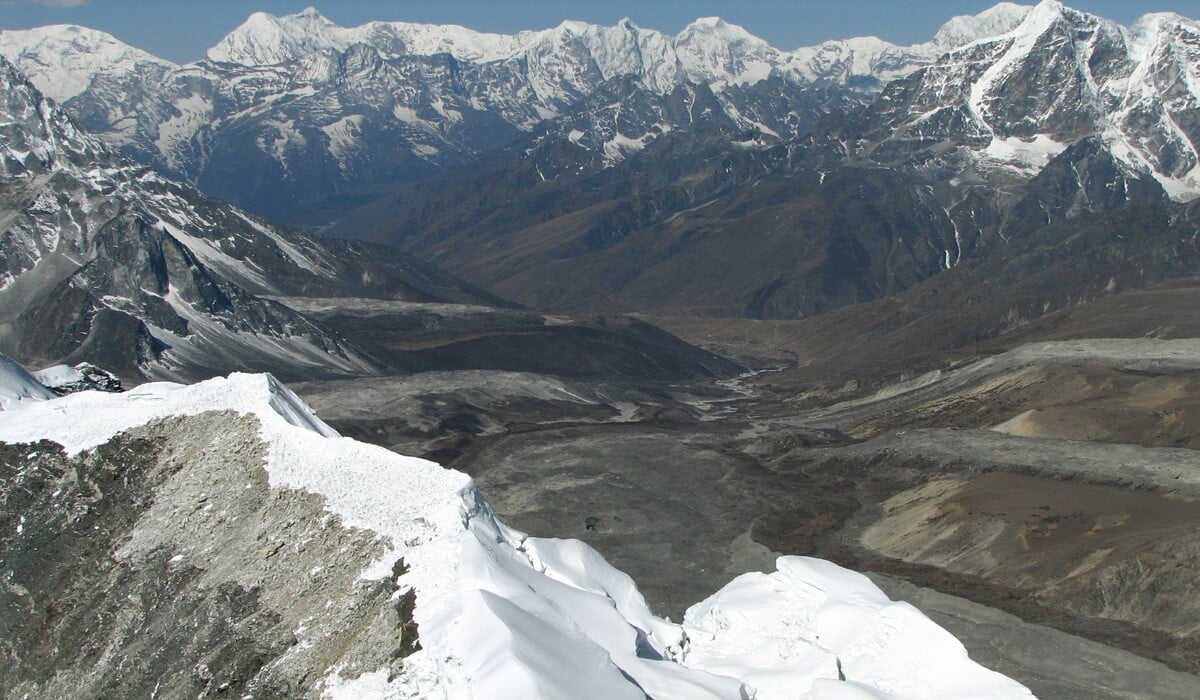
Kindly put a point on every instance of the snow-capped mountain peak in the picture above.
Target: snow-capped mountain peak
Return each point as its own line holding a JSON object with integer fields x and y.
{"x": 264, "y": 39}
{"x": 1056, "y": 77}
{"x": 719, "y": 27}
{"x": 964, "y": 29}
{"x": 64, "y": 59}
{"x": 713, "y": 50}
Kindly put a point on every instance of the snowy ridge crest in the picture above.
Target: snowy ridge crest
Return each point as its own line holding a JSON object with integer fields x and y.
{"x": 18, "y": 387}
{"x": 995, "y": 21}
{"x": 504, "y": 614}
{"x": 708, "y": 50}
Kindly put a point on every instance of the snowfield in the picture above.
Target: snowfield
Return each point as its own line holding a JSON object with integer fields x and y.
{"x": 504, "y": 615}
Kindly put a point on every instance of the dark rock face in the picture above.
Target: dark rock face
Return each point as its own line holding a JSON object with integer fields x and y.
{"x": 163, "y": 564}
{"x": 690, "y": 226}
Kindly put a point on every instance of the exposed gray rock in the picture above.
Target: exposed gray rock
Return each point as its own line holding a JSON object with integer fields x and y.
{"x": 163, "y": 564}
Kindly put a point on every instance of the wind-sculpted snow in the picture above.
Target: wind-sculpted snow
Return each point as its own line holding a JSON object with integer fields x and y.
{"x": 812, "y": 622}
{"x": 501, "y": 614}
{"x": 18, "y": 387}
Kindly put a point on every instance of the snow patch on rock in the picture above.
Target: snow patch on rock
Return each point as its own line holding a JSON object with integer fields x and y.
{"x": 1024, "y": 154}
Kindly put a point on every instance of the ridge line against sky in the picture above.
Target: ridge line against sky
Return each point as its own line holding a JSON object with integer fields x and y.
{"x": 181, "y": 30}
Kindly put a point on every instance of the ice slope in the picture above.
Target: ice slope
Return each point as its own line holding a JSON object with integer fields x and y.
{"x": 790, "y": 632}
{"x": 58, "y": 375}
{"x": 18, "y": 387}
{"x": 503, "y": 615}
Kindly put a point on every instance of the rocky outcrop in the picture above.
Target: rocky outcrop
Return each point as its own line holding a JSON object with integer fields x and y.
{"x": 163, "y": 564}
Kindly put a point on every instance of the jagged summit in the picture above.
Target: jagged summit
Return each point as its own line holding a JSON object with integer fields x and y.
{"x": 264, "y": 39}
{"x": 1055, "y": 76}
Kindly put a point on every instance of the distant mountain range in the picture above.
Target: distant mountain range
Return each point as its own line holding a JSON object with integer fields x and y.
{"x": 1066, "y": 118}
{"x": 617, "y": 168}
{"x": 105, "y": 259}
{"x": 295, "y": 117}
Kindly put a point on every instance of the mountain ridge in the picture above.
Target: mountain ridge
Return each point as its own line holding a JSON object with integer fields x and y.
{"x": 331, "y": 133}
{"x": 323, "y": 125}
{"x": 431, "y": 593}
{"x": 106, "y": 256}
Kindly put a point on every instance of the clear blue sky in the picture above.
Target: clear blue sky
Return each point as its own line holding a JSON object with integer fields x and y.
{"x": 181, "y": 30}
